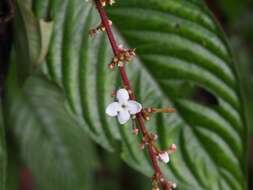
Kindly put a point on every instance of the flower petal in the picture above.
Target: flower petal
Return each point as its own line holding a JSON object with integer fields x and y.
{"x": 122, "y": 95}
{"x": 123, "y": 116}
{"x": 164, "y": 157}
{"x": 113, "y": 109}
{"x": 133, "y": 107}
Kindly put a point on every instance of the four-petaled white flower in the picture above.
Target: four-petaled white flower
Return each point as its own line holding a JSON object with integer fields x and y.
{"x": 164, "y": 157}
{"x": 124, "y": 108}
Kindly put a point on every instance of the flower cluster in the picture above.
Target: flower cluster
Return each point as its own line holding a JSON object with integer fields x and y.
{"x": 126, "y": 107}
{"x": 162, "y": 155}
{"x": 166, "y": 185}
{"x": 123, "y": 109}
{"x": 105, "y": 2}
{"x": 100, "y": 27}
{"x": 124, "y": 56}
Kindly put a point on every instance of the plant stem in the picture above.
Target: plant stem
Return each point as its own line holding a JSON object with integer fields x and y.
{"x": 126, "y": 82}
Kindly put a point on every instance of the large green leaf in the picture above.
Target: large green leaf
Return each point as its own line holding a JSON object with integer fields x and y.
{"x": 27, "y": 39}
{"x": 31, "y": 39}
{"x": 244, "y": 69}
{"x": 3, "y": 157}
{"x": 181, "y": 54}
{"x": 52, "y": 145}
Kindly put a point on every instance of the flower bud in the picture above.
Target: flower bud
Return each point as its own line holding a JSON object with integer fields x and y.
{"x": 174, "y": 185}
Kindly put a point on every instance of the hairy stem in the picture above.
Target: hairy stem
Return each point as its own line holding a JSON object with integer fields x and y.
{"x": 126, "y": 82}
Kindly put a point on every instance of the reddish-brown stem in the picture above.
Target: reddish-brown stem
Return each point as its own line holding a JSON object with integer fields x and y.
{"x": 126, "y": 82}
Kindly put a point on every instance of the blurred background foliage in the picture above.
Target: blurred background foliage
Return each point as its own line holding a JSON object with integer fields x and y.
{"x": 101, "y": 169}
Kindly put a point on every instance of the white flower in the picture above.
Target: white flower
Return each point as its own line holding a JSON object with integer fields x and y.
{"x": 164, "y": 157}
{"x": 124, "y": 107}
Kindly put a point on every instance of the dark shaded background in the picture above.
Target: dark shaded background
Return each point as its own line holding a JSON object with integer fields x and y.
{"x": 236, "y": 18}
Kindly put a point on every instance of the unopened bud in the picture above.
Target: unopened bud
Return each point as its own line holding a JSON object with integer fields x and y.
{"x": 155, "y": 137}
{"x": 162, "y": 179}
{"x": 173, "y": 148}
{"x": 115, "y": 59}
{"x": 111, "y": 66}
{"x": 122, "y": 58}
{"x": 121, "y": 47}
{"x": 102, "y": 29}
{"x": 120, "y": 64}
{"x": 174, "y": 185}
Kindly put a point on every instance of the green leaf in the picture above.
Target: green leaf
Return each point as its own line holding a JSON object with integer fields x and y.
{"x": 52, "y": 145}
{"x": 32, "y": 39}
{"x": 46, "y": 32}
{"x": 3, "y": 156}
{"x": 244, "y": 70}
{"x": 27, "y": 39}
{"x": 181, "y": 55}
